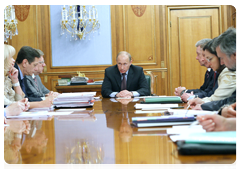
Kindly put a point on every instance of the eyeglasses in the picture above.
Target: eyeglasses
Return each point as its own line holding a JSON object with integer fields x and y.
{"x": 41, "y": 62}
{"x": 209, "y": 59}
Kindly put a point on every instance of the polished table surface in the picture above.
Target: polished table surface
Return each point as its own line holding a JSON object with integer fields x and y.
{"x": 105, "y": 137}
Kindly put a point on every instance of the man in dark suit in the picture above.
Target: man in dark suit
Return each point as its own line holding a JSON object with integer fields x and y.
{"x": 206, "y": 89}
{"x": 27, "y": 62}
{"x": 33, "y": 83}
{"x": 225, "y": 46}
{"x": 124, "y": 79}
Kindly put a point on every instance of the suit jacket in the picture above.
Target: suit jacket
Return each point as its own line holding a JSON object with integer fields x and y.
{"x": 206, "y": 87}
{"x": 34, "y": 89}
{"x": 210, "y": 89}
{"x": 136, "y": 81}
{"x": 226, "y": 86}
{"x": 23, "y": 83}
{"x": 216, "y": 105}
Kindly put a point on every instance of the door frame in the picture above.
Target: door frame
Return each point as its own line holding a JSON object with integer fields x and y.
{"x": 168, "y": 12}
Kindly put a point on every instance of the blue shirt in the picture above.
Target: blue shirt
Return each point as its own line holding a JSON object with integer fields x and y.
{"x": 20, "y": 72}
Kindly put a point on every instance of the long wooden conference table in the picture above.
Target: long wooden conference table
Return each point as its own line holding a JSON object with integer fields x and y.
{"x": 105, "y": 137}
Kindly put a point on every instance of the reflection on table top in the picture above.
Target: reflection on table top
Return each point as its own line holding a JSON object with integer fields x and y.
{"x": 109, "y": 138}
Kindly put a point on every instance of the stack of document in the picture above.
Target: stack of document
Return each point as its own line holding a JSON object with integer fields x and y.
{"x": 154, "y": 107}
{"x": 161, "y": 121}
{"x": 81, "y": 99}
{"x": 41, "y": 109}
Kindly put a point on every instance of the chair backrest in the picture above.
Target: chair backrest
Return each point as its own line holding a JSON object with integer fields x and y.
{"x": 148, "y": 78}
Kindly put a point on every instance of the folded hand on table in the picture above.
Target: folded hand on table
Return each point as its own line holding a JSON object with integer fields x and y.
{"x": 124, "y": 93}
{"x": 178, "y": 90}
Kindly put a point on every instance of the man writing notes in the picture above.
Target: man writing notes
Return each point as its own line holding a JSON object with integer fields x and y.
{"x": 206, "y": 89}
{"x": 33, "y": 83}
{"x": 225, "y": 46}
{"x": 124, "y": 79}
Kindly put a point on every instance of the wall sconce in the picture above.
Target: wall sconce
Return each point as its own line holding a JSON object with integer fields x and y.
{"x": 78, "y": 21}
{"x": 10, "y": 23}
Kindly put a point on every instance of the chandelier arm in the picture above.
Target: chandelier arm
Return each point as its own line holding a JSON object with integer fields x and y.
{"x": 79, "y": 25}
{"x": 10, "y": 23}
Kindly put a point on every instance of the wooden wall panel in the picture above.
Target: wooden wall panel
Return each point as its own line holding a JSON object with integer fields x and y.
{"x": 27, "y": 30}
{"x": 228, "y": 16}
{"x": 117, "y": 29}
{"x": 141, "y": 36}
{"x": 189, "y": 25}
{"x": 233, "y": 15}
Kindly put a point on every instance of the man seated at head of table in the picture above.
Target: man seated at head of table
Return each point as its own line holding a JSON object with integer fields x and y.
{"x": 33, "y": 84}
{"x": 225, "y": 46}
{"x": 207, "y": 89}
{"x": 27, "y": 61}
{"x": 124, "y": 79}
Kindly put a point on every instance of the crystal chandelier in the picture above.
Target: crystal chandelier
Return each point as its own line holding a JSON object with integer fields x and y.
{"x": 10, "y": 23}
{"x": 78, "y": 21}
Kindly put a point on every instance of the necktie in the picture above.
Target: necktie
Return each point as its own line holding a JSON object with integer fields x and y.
{"x": 124, "y": 82}
{"x": 207, "y": 74}
{"x": 214, "y": 79}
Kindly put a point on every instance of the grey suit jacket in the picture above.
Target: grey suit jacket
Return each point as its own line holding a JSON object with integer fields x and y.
{"x": 34, "y": 90}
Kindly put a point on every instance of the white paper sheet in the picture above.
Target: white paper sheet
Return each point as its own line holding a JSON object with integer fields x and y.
{"x": 70, "y": 110}
{"x": 191, "y": 112}
{"x": 150, "y": 111}
{"x": 185, "y": 130}
{"x": 154, "y": 106}
{"x": 38, "y": 114}
{"x": 162, "y": 124}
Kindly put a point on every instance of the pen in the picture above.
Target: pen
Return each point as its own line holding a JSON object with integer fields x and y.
{"x": 193, "y": 123}
{"x": 188, "y": 106}
{"x": 187, "y": 110}
{"x": 26, "y": 101}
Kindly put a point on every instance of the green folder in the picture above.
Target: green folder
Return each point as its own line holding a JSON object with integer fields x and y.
{"x": 168, "y": 99}
{"x": 226, "y": 137}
